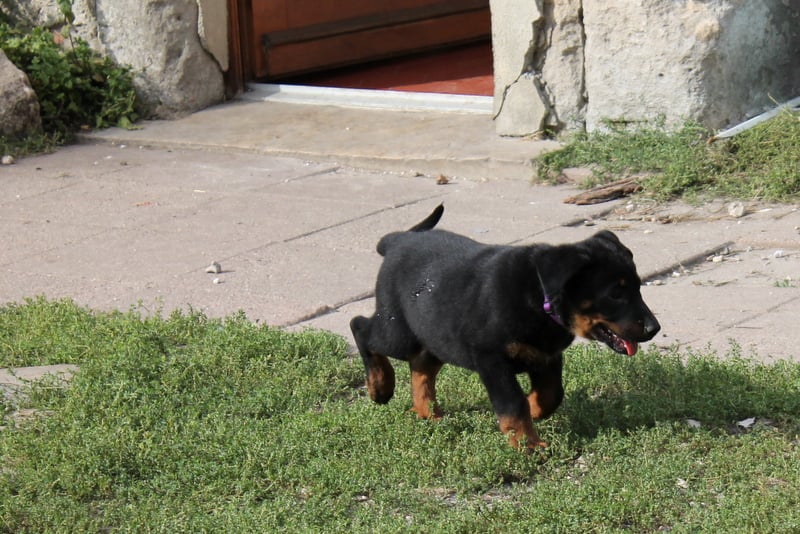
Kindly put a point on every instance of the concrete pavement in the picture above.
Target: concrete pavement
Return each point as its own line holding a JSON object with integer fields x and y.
{"x": 291, "y": 200}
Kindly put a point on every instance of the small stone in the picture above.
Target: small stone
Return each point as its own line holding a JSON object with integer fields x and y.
{"x": 693, "y": 423}
{"x": 7, "y": 160}
{"x": 442, "y": 180}
{"x": 216, "y": 281}
{"x": 214, "y": 268}
{"x": 736, "y": 209}
{"x": 746, "y": 423}
{"x": 574, "y": 175}
{"x": 717, "y": 258}
{"x": 777, "y": 254}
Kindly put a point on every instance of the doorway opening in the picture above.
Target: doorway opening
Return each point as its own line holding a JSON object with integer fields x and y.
{"x": 436, "y": 46}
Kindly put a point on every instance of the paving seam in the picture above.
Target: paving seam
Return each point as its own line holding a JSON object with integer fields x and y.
{"x": 328, "y": 309}
{"x": 361, "y": 217}
{"x": 580, "y": 221}
{"x": 735, "y": 324}
{"x": 293, "y": 238}
{"x": 695, "y": 259}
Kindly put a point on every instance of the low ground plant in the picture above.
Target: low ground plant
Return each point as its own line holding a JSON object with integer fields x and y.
{"x": 183, "y": 423}
{"x": 762, "y": 163}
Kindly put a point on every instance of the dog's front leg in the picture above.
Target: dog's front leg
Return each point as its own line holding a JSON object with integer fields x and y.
{"x": 547, "y": 390}
{"x": 511, "y": 406}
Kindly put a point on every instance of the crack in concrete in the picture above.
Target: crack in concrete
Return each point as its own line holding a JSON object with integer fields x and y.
{"x": 535, "y": 58}
{"x": 532, "y": 56}
{"x": 584, "y": 94}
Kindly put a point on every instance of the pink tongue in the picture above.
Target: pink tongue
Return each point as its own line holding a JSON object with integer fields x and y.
{"x": 630, "y": 347}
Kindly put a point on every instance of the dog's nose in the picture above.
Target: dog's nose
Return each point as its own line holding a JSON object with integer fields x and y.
{"x": 651, "y": 326}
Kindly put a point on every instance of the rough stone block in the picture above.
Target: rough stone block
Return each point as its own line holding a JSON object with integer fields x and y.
{"x": 19, "y": 107}
{"x": 717, "y": 62}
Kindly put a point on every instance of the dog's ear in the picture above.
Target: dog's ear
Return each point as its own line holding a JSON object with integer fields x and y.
{"x": 556, "y": 265}
{"x": 610, "y": 240}
{"x": 608, "y": 235}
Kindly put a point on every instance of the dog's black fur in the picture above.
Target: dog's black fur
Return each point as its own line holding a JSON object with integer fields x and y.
{"x": 497, "y": 310}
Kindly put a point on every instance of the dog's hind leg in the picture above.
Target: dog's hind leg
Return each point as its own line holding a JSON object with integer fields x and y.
{"x": 380, "y": 373}
{"x": 424, "y": 368}
{"x": 547, "y": 390}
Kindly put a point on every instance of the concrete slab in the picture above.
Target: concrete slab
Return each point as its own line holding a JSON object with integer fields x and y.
{"x": 454, "y": 144}
{"x": 711, "y": 317}
{"x": 20, "y": 376}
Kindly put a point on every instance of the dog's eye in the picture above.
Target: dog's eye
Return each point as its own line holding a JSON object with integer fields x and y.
{"x": 617, "y": 292}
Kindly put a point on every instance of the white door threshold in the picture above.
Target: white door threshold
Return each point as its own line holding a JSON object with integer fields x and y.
{"x": 368, "y": 98}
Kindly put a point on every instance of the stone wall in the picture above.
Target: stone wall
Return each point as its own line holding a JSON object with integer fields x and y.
{"x": 572, "y": 64}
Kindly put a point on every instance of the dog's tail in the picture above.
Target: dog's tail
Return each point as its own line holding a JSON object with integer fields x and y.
{"x": 427, "y": 224}
{"x": 430, "y": 221}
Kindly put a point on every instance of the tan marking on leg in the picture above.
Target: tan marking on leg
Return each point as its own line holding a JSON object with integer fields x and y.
{"x": 542, "y": 403}
{"x": 520, "y": 430}
{"x": 380, "y": 378}
{"x": 533, "y": 402}
{"x": 423, "y": 386}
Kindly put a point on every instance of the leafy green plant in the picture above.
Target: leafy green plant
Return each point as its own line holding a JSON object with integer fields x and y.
{"x": 76, "y": 87}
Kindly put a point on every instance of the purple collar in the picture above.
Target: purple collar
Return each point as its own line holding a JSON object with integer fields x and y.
{"x": 550, "y": 310}
{"x": 549, "y": 305}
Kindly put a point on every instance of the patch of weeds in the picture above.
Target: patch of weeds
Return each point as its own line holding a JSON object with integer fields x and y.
{"x": 622, "y": 150}
{"x": 43, "y": 332}
{"x": 35, "y": 143}
{"x": 185, "y": 423}
{"x": 761, "y": 163}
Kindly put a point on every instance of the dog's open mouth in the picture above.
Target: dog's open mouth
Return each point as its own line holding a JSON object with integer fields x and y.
{"x": 623, "y": 346}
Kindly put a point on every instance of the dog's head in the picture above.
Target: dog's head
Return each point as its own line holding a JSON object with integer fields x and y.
{"x": 598, "y": 292}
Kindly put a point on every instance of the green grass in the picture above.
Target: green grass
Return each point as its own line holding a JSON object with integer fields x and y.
{"x": 36, "y": 143}
{"x": 187, "y": 424}
{"x": 759, "y": 164}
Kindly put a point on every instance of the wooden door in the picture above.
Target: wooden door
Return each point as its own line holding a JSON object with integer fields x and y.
{"x": 298, "y": 36}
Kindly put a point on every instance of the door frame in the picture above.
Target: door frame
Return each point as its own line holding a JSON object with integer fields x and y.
{"x": 239, "y": 38}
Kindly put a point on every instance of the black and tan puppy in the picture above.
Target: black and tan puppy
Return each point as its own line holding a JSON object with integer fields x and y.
{"x": 497, "y": 310}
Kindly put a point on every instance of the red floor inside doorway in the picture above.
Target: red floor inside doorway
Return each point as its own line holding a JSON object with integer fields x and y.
{"x": 464, "y": 70}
